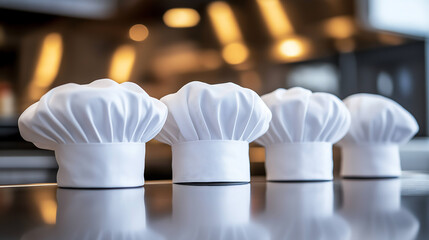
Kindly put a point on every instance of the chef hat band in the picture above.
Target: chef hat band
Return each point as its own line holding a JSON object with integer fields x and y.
{"x": 200, "y": 161}
{"x": 292, "y": 161}
{"x": 370, "y": 160}
{"x": 97, "y": 165}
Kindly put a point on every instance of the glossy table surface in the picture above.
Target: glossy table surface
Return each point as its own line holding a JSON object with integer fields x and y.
{"x": 343, "y": 209}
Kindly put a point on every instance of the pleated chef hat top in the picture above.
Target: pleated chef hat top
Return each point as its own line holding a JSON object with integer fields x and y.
{"x": 298, "y": 144}
{"x": 209, "y": 128}
{"x": 98, "y": 132}
{"x": 379, "y": 125}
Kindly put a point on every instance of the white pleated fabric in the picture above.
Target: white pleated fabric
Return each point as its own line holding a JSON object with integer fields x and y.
{"x": 379, "y": 125}
{"x": 98, "y": 132}
{"x": 209, "y": 128}
{"x": 298, "y": 144}
{"x": 116, "y": 214}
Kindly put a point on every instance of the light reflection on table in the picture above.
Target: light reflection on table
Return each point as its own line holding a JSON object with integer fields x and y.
{"x": 344, "y": 209}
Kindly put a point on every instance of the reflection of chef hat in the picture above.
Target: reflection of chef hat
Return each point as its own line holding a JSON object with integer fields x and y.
{"x": 212, "y": 212}
{"x": 294, "y": 208}
{"x": 209, "y": 128}
{"x": 98, "y": 214}
{"x": 98, "y": 131}
{"x": 373, "y": 209}
{"x": 378, "y": 126}
{"x": 299, "y": 141}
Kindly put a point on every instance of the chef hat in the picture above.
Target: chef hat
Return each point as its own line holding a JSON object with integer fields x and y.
{"x": 212, "y": 212}
{"x": 98, "y": 132}
{"x": 209, "y": 128}
{"x": 379, "y": 125}
{"x": 98, "y": 214}
{"x": 294, "y": 208}
{"x": 373, "y": 210}
{"x": 298, "y": 144}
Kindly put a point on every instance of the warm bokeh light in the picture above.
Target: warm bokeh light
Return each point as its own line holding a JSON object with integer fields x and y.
{"x": 49, "y": 60}
{"x": 235, "y": 53}
{"x": 48, "y": 210}
{"x": 228, "y": 33}
{"x": 276, "y": 18}
{"x": 47, "y": 67}
{"x": 224, "y": 23}
{"x": 47, "y": 206}
{"x": 181, "y": 17}
{"x": 138, "y": 32}
{"x": 339, "y": 27}
{"x": 122, "y": 63}
{"x": 183, "y": 59}
{"x": 257, "y": 154}
{"x": 292, "y": 48}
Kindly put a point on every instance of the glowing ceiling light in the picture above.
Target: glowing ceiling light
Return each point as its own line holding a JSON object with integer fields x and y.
{"x": 122, "y": 63}
{"x": 47, "y": 66}
{"x": 224, "y": 23}
{"x": 138, "y": 32}
{"x": 235, "y": 53}
{"x": 339, "y": 27}
{"x": 49, "y": 60}
{"x": 292, "y": 48}
{"x": 275, "y": 17}
{"x": 181, "y": 17}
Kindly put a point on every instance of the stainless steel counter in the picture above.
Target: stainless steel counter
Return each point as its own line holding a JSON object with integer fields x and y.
{"x": 343, "y": 209}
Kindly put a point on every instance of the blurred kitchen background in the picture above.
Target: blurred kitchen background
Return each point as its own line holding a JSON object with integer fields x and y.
{"x": 337, "y": 46}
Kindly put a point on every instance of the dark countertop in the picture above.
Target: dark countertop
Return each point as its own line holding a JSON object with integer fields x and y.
{"x": 343, "y": 209}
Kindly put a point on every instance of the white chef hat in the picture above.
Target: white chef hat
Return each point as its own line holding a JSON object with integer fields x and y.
{"x": 209, "y": 128}
{"x": 212, "y": 212}
{"x": 98, "y": 132}
{"x": 373, "y": 210}
{"x": 379, "y": 125}
{"x": 294, "y": 208}
{"x": 298, "y": 144}
{"x": 98, "y": 214}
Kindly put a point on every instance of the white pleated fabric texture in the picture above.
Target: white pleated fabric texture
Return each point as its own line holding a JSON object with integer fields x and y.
{"x": 298, "y": 144}
{"x": 98, "y": 132}
{"x": 209, "y": 128}
{"x": 379, "y": 125}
